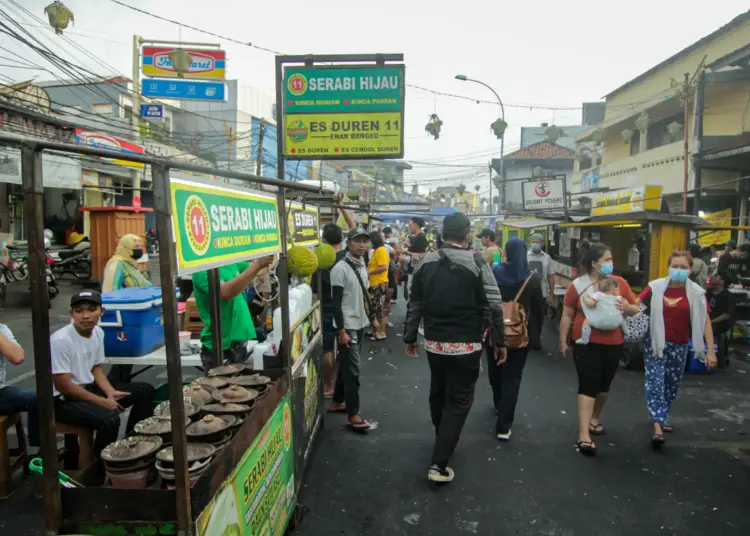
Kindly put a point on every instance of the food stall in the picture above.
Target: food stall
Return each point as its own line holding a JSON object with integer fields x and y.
{"x": 521, "y": 227}
{"x": 236, "y": 439}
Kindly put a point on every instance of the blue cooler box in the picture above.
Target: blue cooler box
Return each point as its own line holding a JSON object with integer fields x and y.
{"x": 133, "y": 323}
{"x": 695, "y": 366}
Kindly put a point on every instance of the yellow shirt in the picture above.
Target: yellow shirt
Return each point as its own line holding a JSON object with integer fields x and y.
{"x": 379, "y": 258}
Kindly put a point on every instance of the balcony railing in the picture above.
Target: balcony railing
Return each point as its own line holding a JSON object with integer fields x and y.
{"x": 661, "y": 166}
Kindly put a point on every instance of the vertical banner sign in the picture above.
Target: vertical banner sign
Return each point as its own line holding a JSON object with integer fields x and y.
{"x": 258, "y": 498}
{"x": 215, "y": 226}
{"x": 303, "y": 225}
{"x": 340, "y": 112}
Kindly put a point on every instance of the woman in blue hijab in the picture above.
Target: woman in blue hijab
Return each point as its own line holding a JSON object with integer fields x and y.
{"x": 515, "y": 281}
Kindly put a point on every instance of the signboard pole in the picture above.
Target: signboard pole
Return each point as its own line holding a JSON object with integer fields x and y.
{"x": 167, "y": 267}
{"x": 214, "y": 301}
{"x": 565, "y": 196}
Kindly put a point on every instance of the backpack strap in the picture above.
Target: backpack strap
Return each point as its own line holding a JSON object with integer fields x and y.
{"x": 520, "y": 291}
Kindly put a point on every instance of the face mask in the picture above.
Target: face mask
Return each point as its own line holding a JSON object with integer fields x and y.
{"x": 137, "y": 254}
{"x": 678, "y": 275}
{"x": 606, "y": 268}
{"x": 536, "y": 248}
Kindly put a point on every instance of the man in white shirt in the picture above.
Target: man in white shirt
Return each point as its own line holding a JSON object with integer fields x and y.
{"x": 83, "y": 394}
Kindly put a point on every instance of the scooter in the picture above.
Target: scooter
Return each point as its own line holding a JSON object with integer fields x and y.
{"x": 152, "y": 243}
{"x": 75, "y": 260}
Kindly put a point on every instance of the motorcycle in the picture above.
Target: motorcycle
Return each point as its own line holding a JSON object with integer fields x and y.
{"x": 75, "y": 260}
{"x": 152, "y": 244}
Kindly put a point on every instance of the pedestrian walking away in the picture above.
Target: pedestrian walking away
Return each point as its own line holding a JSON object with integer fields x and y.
{"x": 678, "y": 317}
{"x": 596, "y": 362}
{"x": 455, "y": 295}
{"x": 350, "y": 283}
{"x": 517, "y": 283}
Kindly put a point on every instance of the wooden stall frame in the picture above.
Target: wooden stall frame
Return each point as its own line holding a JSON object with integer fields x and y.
{"x": 181, "y": 519}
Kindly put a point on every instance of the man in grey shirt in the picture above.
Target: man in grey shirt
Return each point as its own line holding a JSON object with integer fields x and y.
{"x": 541, "y": 263}
{"x": 12, "y": 398}
{"x": 349, "y": 283}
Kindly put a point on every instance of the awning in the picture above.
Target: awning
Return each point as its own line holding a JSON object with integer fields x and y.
{"x": 527, "y": 224}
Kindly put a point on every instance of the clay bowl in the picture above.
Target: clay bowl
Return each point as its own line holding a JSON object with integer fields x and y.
{"x": 198, "y": 393}
{"x": 228, "y": 370}
{"x": 250, "y": 380}
{"x": 192, "y": 407}
{"x": 211, "y": 384}
{"x": 236, "y": 394}
{"x": 210, "y": 428}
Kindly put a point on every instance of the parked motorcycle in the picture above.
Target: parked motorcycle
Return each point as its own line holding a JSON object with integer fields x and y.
{"x": 75, "y": 260}
{"x": 152, "y": 244}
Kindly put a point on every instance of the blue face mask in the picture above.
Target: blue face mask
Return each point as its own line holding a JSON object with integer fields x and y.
{"x": 679, "y": 275}
{"x": 606, "y": 268}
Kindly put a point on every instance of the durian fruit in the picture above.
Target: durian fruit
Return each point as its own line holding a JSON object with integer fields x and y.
{"x": 301, "y": 262}
{"x": 326, "y": 256}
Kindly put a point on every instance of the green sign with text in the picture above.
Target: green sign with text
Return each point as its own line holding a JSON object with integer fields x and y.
{"x": 344, "y": 89}
{"x": 214, "y": 226}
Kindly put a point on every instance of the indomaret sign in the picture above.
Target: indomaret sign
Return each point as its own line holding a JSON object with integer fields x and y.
{"x": 544, "y": 194}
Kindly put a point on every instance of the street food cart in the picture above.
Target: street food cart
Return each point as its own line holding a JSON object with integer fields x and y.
{"x": 248, "y": 481}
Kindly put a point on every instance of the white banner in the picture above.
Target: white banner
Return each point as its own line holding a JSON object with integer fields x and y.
{"x": 544, "y": 194}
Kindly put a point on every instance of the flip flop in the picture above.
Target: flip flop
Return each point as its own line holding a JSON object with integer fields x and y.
{"x": 586, "y": 448}
{"x": 328, "y": 394}
{"x": 667, "y": 428}
{"x": 337, "y": 410}
{"x": 596, "y": 429}
{"x": 360, "y": 427}
{"x": 657, "y": 441}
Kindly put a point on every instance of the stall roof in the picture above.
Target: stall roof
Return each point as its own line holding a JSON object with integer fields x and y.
{"x": 644, "y": 217}
{"x": 528, "y": 224}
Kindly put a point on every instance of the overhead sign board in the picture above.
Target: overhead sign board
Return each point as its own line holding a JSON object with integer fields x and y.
{"x": 627, "y": 200}
{"x": 184, "y": 90}
{"x": 340, "y": 112}
{"x": 720, "y": 218}
{"x": 303, "y": 224}
{"x": 97, "y": 140}
{"x": 215, "y": 226}
{"x": 152, "y": 111}
{"x": 544, "y": 194}
{"x": 208, "y": 64}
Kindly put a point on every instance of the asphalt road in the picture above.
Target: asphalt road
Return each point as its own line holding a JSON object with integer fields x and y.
{"x": 537, "y": 484}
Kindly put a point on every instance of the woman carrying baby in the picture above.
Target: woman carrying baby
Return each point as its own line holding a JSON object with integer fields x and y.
{"x": 597, "y": 358}
{"x": 678, "y": 315}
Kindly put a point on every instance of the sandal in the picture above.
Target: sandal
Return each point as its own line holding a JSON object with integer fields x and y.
{"x": 596, "y": 429}
{"x": 360, "y": 426}
{"x": 667, "y": 428}
{"x": 328, "y": 394}
{"x": 587, "y": 448}
{"x": 657, "y": 440}
{"x": 334, "y": 409}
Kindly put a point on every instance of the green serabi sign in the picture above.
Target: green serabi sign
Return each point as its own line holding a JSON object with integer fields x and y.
{"x": 215, "y": 226}
{"x": 363, "y": 88}
{"x": 258, "y": 498}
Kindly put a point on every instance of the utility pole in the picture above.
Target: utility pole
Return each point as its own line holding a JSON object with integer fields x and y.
{"x": 490, "y": 204}
{"x": 259, "y": 158}
{"x": 230, "y": 139}
{"x": 135, "y": 113}
{"x": 685, "y": 104}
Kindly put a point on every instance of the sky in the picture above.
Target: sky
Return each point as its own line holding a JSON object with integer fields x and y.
{"x": 543, "y": 58}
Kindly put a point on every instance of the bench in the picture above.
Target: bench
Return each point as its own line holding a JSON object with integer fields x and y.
{"x": 11, "y": 459}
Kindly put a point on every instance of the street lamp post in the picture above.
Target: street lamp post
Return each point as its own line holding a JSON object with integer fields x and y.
{"x": 464, "y": 78}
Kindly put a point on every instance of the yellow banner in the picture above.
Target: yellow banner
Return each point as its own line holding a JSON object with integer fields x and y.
{"x": 340, "y": 135}
{"x": 722, "y": 218}
{"x": 635, "y": 199}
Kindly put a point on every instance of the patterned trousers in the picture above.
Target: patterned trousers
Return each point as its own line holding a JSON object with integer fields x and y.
{"x": 663, "y": 375}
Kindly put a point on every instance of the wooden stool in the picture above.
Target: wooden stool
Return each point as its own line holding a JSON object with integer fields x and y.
{"x": 192, "y": 322}
{"x": 79, "y": 444}
{"x": 11, "y": 460}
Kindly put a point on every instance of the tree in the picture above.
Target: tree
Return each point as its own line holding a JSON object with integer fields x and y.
{"x": 477, "y": 188}
{"x": 461, "y": 189}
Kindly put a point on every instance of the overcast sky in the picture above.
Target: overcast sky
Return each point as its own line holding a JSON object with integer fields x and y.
{"x": 537, "y": 54}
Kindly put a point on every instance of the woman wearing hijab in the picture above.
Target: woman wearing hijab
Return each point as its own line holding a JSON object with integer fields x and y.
{"x": 516, "y": 282}
{"x": 122, "y": 270}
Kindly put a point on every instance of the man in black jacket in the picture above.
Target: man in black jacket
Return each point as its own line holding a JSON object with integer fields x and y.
{"x": 456, "y": 296}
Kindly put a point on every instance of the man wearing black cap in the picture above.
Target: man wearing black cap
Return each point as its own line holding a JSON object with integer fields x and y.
{"x": 83, "y": 394}
{"x": 349, "y": 282}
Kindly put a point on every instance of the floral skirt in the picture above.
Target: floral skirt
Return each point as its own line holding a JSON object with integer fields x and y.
{"x": 379, "y": 293}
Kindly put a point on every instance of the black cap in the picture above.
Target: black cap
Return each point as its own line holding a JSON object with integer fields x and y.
{"x": 357, "y": 231}
{"x": 486, "y": 233}
{"x": 86, "y": 296}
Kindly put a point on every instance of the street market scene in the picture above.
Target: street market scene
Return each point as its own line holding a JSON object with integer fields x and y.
{"x": 261, "y": 282}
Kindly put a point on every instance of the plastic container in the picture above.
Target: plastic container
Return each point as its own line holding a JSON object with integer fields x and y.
{"x": 133, "y": 322}
{"x": 696, "y": 366}
{"x": 184, "y": 337}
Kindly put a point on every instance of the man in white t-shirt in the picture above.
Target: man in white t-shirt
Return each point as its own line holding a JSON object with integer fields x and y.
{"x": 83, "y": 394}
